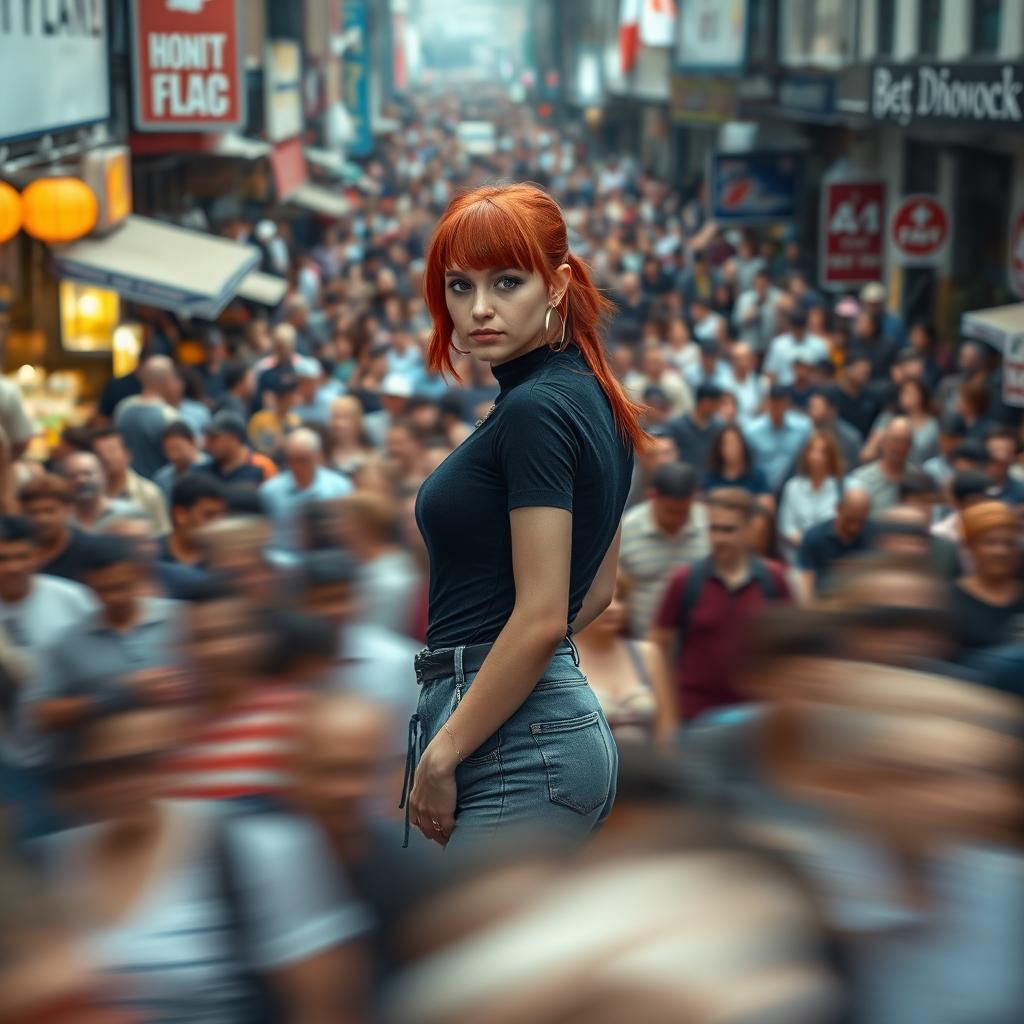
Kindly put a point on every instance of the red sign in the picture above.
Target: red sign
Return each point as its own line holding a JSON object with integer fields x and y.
{"x": 853, "y": 232}
{"x": 1015, "y": 266}
{"x": 187, "y": 65}
{"x": 920, "y": 230}
{"x": 288, "y": 165}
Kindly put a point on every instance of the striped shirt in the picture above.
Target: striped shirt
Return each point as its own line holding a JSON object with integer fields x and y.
{"x": 246, "y": 751}
{"x": 649, "y": 556}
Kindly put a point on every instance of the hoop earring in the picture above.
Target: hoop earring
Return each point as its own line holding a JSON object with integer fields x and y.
{"x": 461, "y": 351}
{"x": 562, "y": 343}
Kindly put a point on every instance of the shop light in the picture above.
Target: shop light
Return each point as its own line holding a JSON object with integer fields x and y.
{"x": 88, "y": 317}
{"x": 127, "y": 348}
{"x": 10, "y": 212}
{"x": 59, "y": 210}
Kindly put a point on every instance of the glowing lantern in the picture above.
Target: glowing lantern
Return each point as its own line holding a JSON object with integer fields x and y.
{"x": 10, "y": 212}
{"x": 59, "y": 209}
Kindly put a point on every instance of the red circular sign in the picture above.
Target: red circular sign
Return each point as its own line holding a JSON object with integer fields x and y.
{"x": 920, "y": 227}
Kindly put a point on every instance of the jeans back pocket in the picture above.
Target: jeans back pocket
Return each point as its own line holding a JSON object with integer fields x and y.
{"x": 577, "y": 761}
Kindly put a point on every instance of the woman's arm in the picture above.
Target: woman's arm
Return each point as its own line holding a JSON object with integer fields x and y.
{"x": 541, "y": 543}
{"x": 602, "y": 590}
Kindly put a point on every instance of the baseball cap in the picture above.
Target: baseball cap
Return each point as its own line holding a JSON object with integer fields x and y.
{"x": 308, "y": 369}
{"x": 712, "y": 391}
{"x": 396, "y": 386}
{"x": 874, "y": 292}
{"x": 227, "y": 422}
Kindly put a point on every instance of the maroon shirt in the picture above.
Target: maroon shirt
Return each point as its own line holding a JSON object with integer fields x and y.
{"x": 715, "y": 638}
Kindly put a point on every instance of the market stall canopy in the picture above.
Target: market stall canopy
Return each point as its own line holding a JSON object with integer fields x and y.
{"x": 994, "y": 326}
{"x": 234, "y": 145}
{"x": 161, "y": 265}
{"x": 265, "y": 289}
{"x": 326, "y": 160}
{"x": 318, "y": 199}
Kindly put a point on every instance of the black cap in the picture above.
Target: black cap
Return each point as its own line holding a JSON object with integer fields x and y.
{"x": 797, "y": 317}
{"x": 778, "y": 393}
{"x": 227, "y": 422}
{"x": 712, "y": 391}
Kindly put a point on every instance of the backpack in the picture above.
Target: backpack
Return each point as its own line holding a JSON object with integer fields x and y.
{"x": 700, "y": 573}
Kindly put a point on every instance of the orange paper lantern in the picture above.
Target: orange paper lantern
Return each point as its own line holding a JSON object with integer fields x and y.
{"x": 59, "y": 209}
{"x": 10, "y": 212}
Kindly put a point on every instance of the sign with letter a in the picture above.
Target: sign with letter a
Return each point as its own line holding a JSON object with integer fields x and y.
{"x": 187, "y": 65}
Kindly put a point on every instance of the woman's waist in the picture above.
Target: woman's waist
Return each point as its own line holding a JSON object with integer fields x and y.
{"x": 455, "y": 663}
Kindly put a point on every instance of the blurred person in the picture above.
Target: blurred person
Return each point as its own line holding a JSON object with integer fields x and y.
{"x": 655, "y": 371}
{"x": 236, "y": 550}
{"x": 827, "y": 543}
{"x": 182, "y": 453}
{"x": 697, "y": 282}
{"x": 526, "y": 484}
{"x": 973, "y": 402}
{"x": 680, "y": 349}
{"x": 988, "y": 604}
{"x": 812, "y": 495}
{"x": 189, "y": 400}
{"x": 350, "y": 445}
{"x": 124, "y": 484}
{"x": 873, "y": 298}
{"x": 707, "y": 325}
{"x": 952, "y": 433}
{"x": 279, "y": 368}
{"x": 123, "y": 653}
{"x": 971, "y": 367}
{"x": 141, "y": 419}
{"x": 660, "y": 450}
{"x": 232, "y": 462}
{"x": 755, "y": 317}
{"x": 706, "y": 606}
{"x": 667, "y": 530}
{"x": 92, "y": 508}
{"x": 395, "y": 393}
{"x": 387, "y": 579}
{"x": 304, "y": 480}
{"x": 785, "y": 348}
{"x": 237, "y": 396}
{"x": 904, "y": 531}
{"x": 806, "y": 382}
{"x": 914, "y": 404}
{"x": 199, "y": 914}
{"x": 213, "y": 370}
{"x": 694, "y": 432}
{"x": 823, "y": 411}
{"x": 777, "y": 437}
{"x": 882, "y": 478}
{"x": 627, "y": 675}
{"x": 61, "y": 549}
{"x": 312, "y": 397}
{"x": 1002, "y": 448}
{"x": 964, "y": 489}
{"x": 924, "y": 341}
{"x": 631, "y": 309}
{"x": 196, "y": 501}
{"x": 747, "y": 385}
{"x": 710, "y": 369}
{"x": 295, "y": 313}
{"x": 731, "y": 464}
{"x": 855, "y": 401}
{"x": 405, "y": 449}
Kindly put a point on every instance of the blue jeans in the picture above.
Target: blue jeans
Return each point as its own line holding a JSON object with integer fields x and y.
{"x": 552, "y": 766}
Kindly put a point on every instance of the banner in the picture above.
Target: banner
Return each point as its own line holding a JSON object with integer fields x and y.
{"x": 852, "y": 233}
{"x": 753, "y": 188}
{"x": 282, "y": 90}
{"x": 187, "y": 65}
{"x": 658, "y": 23}
{"x": 355, "y": 87}
{"x": 54, "y": 70}
{"x": 712, "y": 35}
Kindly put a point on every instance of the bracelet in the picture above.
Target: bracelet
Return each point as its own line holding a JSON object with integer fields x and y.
{"x": 458, "y": 751}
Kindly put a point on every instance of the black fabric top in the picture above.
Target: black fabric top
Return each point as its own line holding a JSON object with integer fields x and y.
{"x": 551, "y": 441}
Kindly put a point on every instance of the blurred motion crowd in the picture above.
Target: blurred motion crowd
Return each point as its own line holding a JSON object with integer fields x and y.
{"x": 211, "y": 597}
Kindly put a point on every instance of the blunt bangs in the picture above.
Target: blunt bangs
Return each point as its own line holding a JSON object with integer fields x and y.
{"x": 486, "y": 235}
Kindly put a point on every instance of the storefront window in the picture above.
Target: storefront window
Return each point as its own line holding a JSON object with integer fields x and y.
{"x": 885, "y": 39}
{"x": 88, "y": 317}
{"x": 819, "y": 32}
{"x": 929, "y": 24}
{"x": 986, "y": 21}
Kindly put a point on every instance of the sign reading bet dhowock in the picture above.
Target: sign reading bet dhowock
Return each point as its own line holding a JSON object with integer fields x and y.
{"x": 971, "y": 93}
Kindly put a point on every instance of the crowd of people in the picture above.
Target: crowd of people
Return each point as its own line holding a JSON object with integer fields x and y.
{"x": 212, "y": 593}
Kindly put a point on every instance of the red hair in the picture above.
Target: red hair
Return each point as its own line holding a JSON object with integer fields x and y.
{"x": 521, "y": 226}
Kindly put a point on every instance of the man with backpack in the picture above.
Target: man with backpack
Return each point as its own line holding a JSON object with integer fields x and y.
{"x": 700, "y": 625}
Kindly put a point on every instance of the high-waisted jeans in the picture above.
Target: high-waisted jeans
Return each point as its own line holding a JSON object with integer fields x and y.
{"x": 551, "y": 767}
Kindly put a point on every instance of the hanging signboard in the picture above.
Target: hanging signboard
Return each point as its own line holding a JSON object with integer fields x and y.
{"x": 852, "y": 233}
{"x": 919, "y": 231}
{"x": 754, "y": 188}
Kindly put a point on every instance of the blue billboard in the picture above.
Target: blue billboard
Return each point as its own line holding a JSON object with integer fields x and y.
{"x": 355, "y": 78}
{"x": 754, "y": 188}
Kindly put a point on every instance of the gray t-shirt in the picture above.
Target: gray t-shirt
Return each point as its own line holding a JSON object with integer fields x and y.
{"x": 142, "y": 423}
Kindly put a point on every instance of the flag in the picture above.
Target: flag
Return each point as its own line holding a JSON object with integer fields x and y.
{"x": 658, "y": 23}
{"x": 629, "y": 34}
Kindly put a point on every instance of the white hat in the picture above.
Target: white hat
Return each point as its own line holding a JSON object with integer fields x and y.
{"x": 874, "y": 292}
{"x": 396, "y": 386}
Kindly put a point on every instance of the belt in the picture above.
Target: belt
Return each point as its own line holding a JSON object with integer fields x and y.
{"x": 450, "y": 661}
{"x": 445, "y": 664}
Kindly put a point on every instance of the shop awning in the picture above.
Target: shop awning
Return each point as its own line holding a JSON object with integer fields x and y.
{"x": 318, "y": 199}
{"x": 325, "y": 160}
{"x": 265, "y": 289}
{"x": 994, "y": 326}
{"x": 161, "y": 265}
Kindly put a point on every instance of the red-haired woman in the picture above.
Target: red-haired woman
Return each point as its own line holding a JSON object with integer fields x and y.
{"x": 521, "y": 527}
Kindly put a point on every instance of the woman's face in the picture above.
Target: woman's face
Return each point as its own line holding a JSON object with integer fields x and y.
{"x": 732, "y": 450}
{"x": 344, "y": 421}
{"x": 997, "y": 554}
{"x": 498, "y": 314}
{"x": 613, "y": 619}
{"x": 817, "y": 457}
{"x": 910, "y": 398}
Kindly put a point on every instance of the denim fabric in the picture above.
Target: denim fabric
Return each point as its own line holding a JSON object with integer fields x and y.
{"x": 553, "y": 765}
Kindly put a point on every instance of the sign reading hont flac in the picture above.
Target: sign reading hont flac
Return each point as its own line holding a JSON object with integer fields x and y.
{"x": 963, "y": 93}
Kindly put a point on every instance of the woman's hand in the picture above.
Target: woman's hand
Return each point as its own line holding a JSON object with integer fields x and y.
{"x": 433, "y": 796}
